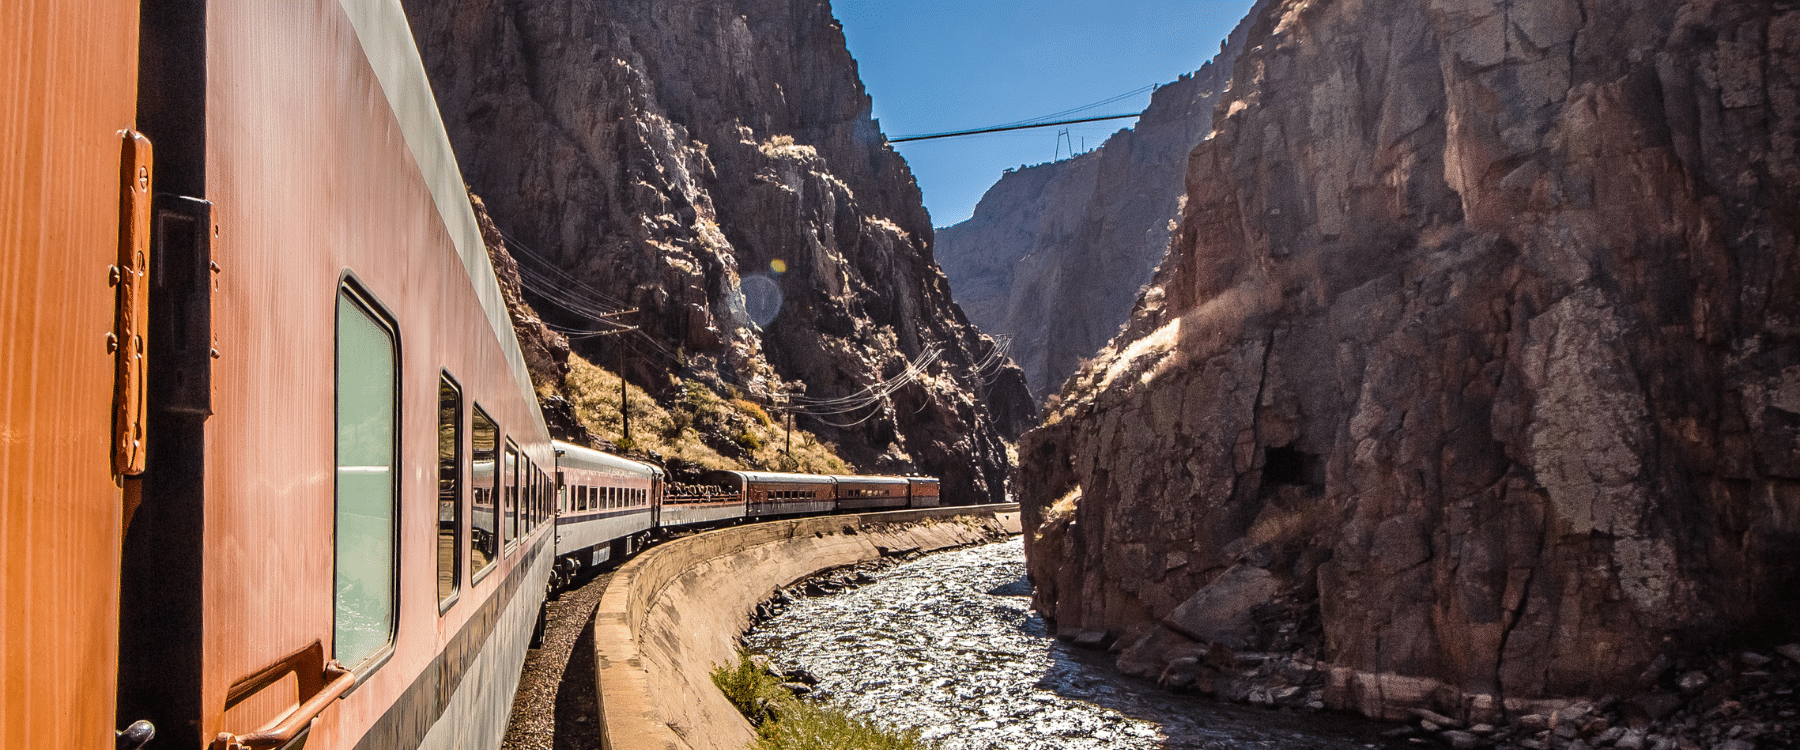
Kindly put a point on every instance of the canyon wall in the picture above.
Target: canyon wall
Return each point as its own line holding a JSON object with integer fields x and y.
{"x": 1476, "y": 357}
{"x": 709, "y": 173}
{"x": 1056, "y": 253}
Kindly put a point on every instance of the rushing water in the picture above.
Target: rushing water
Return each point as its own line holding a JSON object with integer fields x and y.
{"x": 949, "y": 644}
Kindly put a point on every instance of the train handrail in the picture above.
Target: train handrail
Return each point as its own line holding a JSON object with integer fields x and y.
{"x": 330, "y": 684}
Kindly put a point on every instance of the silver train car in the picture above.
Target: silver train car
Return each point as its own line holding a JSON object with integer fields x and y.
{"x": 608, "y": 507}
{"x": 606, "y": 504}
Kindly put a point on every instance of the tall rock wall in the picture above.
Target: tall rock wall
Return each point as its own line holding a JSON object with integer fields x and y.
{"x": 1477, "y": 350}
{"x": 713, "y": 166}
{"x": 1056, "y": 254}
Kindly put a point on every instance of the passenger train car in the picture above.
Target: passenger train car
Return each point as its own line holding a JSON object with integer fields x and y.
{"x": 274, "y": 471}
{"x": 608, "y": 507}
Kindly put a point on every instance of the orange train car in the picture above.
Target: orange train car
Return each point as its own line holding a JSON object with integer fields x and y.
{"x": 274, "y": 471}
{"x": 73, "y": 222}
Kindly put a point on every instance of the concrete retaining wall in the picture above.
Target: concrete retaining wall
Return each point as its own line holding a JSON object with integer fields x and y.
{"x": 668, "y": 616}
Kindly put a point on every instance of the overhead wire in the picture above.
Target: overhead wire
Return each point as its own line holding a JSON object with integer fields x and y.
{"x": 564, "y": 290}
{"x": 1042, "y": 121}
{"x": 1084, "y": 107}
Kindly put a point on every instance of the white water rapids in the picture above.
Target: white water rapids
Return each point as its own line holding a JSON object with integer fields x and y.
{"x": 948, "y": 644}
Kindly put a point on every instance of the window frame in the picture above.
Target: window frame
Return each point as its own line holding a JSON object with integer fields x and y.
{"x": 498, "y": 551}
{"x": 459, "y": 550}
{"x": 351, "y": 288}
{"x": 510, "y": 464}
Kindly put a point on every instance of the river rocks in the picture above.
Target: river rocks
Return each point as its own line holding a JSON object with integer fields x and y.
{"x": 1479, "y": 332}
{"x": 1055, "y": 254}
{"x": 713, "y": 167}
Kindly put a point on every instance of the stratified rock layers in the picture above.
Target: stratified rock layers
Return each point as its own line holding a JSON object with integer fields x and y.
{"x": 685, "y": 159}
{"x": 1056, "y": 254}
{"x": 1480, "y": 334}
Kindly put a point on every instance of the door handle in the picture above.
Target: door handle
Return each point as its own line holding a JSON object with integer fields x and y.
{"x": 327, "y": 681}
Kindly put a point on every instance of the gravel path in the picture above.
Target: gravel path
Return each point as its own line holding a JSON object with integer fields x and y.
{"x": 555, "y": 708}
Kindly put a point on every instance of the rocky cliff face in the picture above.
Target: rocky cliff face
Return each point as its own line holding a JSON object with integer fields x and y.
{"x": 1477, "y": 355}
{"x": 712, "y": 166}
{"x": 1056, "y": 254}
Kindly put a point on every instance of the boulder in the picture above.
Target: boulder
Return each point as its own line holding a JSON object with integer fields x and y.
{"x": 1220, "y": 611}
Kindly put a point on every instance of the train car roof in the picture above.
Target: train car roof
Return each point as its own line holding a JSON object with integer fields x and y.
{"x": 777, "y": 477}
{"x": 579, "y": 457}
{"x": 382, "y": 30}
{"x": 922, "y": 480}
{"x": 847, "y": 479}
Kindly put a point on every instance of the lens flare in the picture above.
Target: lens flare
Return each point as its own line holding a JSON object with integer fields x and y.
{"x": 778, "y": 266}
{"x": 762, "y": 299}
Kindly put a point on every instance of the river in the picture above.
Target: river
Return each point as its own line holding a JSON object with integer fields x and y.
{"x": 949, "y": 644}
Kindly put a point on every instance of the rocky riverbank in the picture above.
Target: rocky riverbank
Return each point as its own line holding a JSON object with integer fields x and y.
{"x": 1730, "y": 701}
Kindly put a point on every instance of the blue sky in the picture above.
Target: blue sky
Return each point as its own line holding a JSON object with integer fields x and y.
{"x": 939, "y": 65}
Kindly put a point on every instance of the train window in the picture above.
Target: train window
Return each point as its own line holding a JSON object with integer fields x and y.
{"x": 449, "y": 512}
{"x": 562, "y": 493}
{"x": 484, "y": 527}
{"x": 528, "y": 494}
{"x": 367, "y": 490}
{"x": 509, "y": 528}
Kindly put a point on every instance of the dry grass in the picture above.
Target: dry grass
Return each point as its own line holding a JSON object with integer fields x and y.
{"x": 1061, "y": 512}
{"x": 699, "y": 426}
{"x": 1279, "y": 524}
{"x": 783, "y": 146}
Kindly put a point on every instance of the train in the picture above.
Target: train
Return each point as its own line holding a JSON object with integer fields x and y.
{"x": 274, "y": 470}
{"x": 609, "y": 507}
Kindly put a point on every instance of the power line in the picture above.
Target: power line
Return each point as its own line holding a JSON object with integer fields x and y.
{"x": 1005, "y": 128}
{"x": 1084, "y": 107}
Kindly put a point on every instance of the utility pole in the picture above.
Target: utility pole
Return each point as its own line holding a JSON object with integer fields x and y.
{"x": 624, "y": 403}
{"x": 624, "y": 410}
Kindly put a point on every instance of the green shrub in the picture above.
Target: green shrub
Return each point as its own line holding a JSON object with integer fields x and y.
{"x": 784, "y": 722}
{"x": 812, "y": 726}
{"x": 754, "y": 410}
{"x": 752, "y": 690}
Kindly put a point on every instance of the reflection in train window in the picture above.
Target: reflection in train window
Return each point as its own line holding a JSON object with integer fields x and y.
{"x": 368, "y": 369}
{"x": 484, "y": 528}
{"x": 449, "y": 512}
{"x": 527, "y": 494}
{"x": 509, "y": 528}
